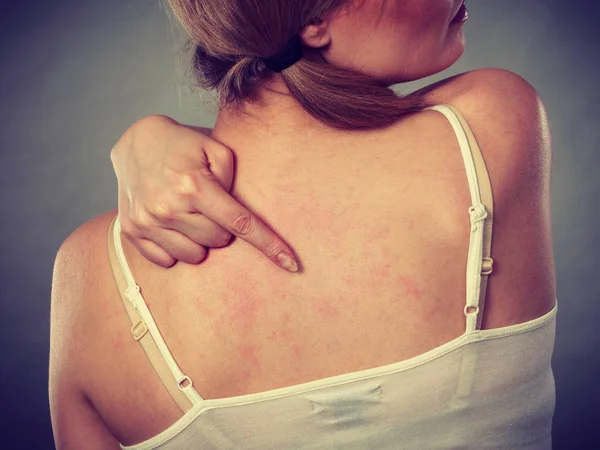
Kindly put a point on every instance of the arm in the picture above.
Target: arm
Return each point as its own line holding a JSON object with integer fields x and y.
{"x": 173, "y": 195}
{"x": 75, "y": 423}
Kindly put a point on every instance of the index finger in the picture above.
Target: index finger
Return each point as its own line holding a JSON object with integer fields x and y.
{"x": 216, "y": 204}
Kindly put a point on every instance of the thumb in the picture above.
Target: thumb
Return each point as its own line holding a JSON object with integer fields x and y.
{"x": 221, "y": 163}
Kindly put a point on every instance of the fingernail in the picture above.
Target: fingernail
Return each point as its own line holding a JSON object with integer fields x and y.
{"x": 287, "y": 262}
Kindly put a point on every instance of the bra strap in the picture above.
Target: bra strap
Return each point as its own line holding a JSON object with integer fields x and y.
{"x": 481, "y": 215}
{"x": 140, "y": 332}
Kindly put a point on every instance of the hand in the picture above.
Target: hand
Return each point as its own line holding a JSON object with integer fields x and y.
{"x": 173, "y": 196}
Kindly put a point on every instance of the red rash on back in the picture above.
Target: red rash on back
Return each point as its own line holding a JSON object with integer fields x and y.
{"x": 241, "y": 305}
{"x": 248, "y": 354}
{"x": 409, "y": 286}
{"x": 327, "y": 308}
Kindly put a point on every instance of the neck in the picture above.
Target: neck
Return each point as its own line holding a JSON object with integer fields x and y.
{"x": 272, "y": 111}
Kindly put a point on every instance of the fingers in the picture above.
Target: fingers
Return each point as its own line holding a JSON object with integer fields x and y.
{"x": 216, "y": 204}
{"x": 250, "y": 228}
{"x": 152, "y": 252}
{"x": 168, "y": 207}
{"x": 220, "y": 163}
{"x": 163, "y": 246}
{"x": 175, "y": 214}
{"x": 200, "y": 229}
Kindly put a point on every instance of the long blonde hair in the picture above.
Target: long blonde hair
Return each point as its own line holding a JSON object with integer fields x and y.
{"x": 230, "y": 38}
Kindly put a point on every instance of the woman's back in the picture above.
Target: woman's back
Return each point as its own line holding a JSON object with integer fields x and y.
{"x": 379, "y": 221}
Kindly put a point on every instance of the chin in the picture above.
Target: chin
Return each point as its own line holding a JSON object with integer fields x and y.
{"x": 450, "y": 58}
{"x": 452, "y": 53}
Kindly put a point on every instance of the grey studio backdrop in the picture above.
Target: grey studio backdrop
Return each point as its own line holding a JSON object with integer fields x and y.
{"x": 75, "y": 74}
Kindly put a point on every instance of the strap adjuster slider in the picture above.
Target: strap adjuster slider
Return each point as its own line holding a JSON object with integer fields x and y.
{"x": 139, "y": 330}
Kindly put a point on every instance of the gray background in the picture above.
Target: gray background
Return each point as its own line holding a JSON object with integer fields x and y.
{"x": 75, "y": 74}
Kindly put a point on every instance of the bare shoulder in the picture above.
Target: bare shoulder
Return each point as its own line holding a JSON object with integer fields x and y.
{"x": 510, "y": 124}
{"x": 88, "y": 233}
{"x": 76, "y": 284}
{"x": 75, "y": 316}
{"x": 486, "y": 93}
{"x": 82, "y": 250}
{"x": 76, "y": 267}
{"x": 497, "y": 102}
{"x": 484, "y": 90}
{"x": 507, "y": 117}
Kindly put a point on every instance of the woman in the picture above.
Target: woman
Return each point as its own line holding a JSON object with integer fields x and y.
{"x": 376, "y": 341}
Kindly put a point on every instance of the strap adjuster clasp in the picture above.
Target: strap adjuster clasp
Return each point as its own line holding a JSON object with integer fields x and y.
{"x": 487, "y": 266}
{"x": 184, "y": 382}
{"x": 139, "y": 330}
{"x": 471, "y": 310}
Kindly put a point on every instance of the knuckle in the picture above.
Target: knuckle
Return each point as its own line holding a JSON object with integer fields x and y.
{"x": 197, "y": 185}
{"x": 128, "y": 228}
{"x": 243, "y": 224}
{"x": 186, "y": 183}
{"x": 273, "y": 247}
{"x": 141, "y": 220}
{"x": 198, "y": 194}
{"x": 164, "y": 212}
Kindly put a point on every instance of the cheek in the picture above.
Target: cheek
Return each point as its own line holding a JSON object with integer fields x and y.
{"x": 426, "y": 15}
{"x": 411, "y": 40}
{"x": 431, "y": 33}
